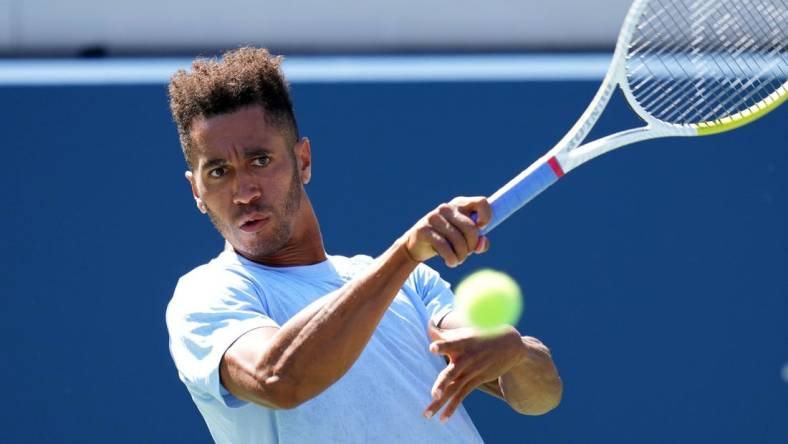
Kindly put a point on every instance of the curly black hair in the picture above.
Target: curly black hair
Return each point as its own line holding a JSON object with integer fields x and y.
{"x": 242, "y": 77}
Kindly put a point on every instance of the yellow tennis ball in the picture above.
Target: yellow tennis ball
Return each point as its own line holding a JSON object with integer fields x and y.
{"x": 489, "y": 298}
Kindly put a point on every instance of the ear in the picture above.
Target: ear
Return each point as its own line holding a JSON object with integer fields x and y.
{"x": 196, "y": 192}
{"x": 303, "y": 154}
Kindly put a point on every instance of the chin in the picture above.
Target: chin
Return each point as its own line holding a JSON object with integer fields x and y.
{"x": 257, "y": 248}
{"x": 263, "y": 243}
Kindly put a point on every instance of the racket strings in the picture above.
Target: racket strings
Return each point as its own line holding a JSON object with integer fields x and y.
{"x": 704, "y": 109}
{"x": 747, "y": 92}
{"x": 732, "y": 64}
{"x": 693, "y": 61}
{"x": 678, "y": 86}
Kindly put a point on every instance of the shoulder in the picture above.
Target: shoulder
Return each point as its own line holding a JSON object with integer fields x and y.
{"x": 348, "y": 267}
{"x": 218, "y": 282}
{"x": 357, "y": 260}
{"x": 425, "y": 277}
{"x": 215, "y": 275}
{"x": 421, "y": 278}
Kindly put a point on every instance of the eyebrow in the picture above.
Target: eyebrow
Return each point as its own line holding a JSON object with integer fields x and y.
{"x": 249, "y": 153}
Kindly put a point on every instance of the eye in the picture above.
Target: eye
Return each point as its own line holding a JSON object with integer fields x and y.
{"x": 261, "y": 161}
{"x": 217, "y": 172}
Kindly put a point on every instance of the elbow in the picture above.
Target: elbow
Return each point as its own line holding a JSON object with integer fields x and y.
{"x": 545, "y": 401}
{"x": 546, "y": 389}
{"x": 258, "y": 380}
{"x": 286, "y": 402}
{"x": 542, "y": 407}
{"x": 279, "y": 393}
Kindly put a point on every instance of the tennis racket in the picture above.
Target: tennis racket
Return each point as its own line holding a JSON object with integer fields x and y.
{"x": 687, "y": 68}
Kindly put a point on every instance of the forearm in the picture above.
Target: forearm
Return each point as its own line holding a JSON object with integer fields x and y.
{"x": 282, "y": 367}
{"x": 338, "y": 326}
{"x": 532, "y": 386}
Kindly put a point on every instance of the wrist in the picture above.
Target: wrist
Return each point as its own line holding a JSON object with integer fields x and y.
{"x": 401, "y": 247}
{"x": 521, "y": 353}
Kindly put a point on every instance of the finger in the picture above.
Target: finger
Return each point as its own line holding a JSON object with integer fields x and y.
{"x": 482, "y": 245}
{"x": 434, "y": 332}
{"x": 448, "y": 346}
{"x": 443, "y": 248}
{"x": 464, "y": 225}
{"x": 455, "y": 402}
{"x": 479, "y": 205}
{"x": 442, "y": 226}
{"x": 436, "y": 345}
{"x": 448, "y": 391}
{"x": 441, "y": 382}
{"x": 435, "y": 405}
{"x": 448, "y": 375}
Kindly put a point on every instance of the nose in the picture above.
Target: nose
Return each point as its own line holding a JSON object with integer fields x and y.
{"x": 246, "y": 189}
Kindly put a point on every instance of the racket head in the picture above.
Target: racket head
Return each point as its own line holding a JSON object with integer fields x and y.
{"x": 687, "y": 68}
{"x": 700, "y": 67}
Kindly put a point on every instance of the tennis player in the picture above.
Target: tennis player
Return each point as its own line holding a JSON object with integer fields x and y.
{"x": 278, "y": 341}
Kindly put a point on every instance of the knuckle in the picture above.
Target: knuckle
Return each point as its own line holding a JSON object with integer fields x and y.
{"x": 434, "y": 218}
{"x": 441, "y": 243}
{"x": 458, "y": 236}
{"x": 471, "y": 234}
{"x": 446, "y": 210}
{"x": 537, "y": 345}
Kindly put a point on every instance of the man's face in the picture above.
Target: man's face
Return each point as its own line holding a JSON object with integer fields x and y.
{"x": 248, "y": 179}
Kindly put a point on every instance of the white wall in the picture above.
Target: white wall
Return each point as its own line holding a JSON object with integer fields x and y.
{"x": 311, "y": 25}
{"x": 5, "y": 24}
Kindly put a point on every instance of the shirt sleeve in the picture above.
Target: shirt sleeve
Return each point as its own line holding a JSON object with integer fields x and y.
{"x": 435, "y": 292}
{"x": 210, "y": 310}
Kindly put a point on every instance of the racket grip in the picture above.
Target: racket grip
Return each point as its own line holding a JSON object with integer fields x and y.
{"x": 520, "y": 190}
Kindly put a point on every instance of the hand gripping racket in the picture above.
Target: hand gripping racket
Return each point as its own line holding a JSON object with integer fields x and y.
{"x": 687, "y": 68}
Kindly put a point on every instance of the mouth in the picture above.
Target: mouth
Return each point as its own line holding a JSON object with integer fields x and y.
{"x": 254, "y": 223}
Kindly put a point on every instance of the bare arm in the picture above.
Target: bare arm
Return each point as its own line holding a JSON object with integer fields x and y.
{"x": 282, "y": 368}
{"x": 519, "y": 370}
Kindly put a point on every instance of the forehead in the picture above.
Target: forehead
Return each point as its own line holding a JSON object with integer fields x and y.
{"x": 244, "y": 128}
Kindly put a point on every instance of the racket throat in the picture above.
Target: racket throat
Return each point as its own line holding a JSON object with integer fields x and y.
{"x": 524, "y": 187}
{"x": 556, "y": 166}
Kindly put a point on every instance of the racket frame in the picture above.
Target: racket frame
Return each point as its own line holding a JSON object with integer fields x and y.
{"x": 568, "y": 153}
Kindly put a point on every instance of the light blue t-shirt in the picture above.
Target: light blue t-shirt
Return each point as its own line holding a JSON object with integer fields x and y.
{"x": 379, "y": 400}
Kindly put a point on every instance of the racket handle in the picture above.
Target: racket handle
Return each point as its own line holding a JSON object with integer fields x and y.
{"x": 520, "y": 190}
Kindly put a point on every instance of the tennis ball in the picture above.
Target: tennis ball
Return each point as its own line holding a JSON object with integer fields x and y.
{"x": 489, "y": 298}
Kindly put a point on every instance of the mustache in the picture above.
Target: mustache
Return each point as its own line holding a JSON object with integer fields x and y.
{"x": 248, "y": 209}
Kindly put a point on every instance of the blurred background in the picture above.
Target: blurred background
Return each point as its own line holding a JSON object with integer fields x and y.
{"x": 658, "y": 274}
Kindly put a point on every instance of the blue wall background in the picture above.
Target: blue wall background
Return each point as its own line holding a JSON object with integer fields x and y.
{"x": 658, "y": 274}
